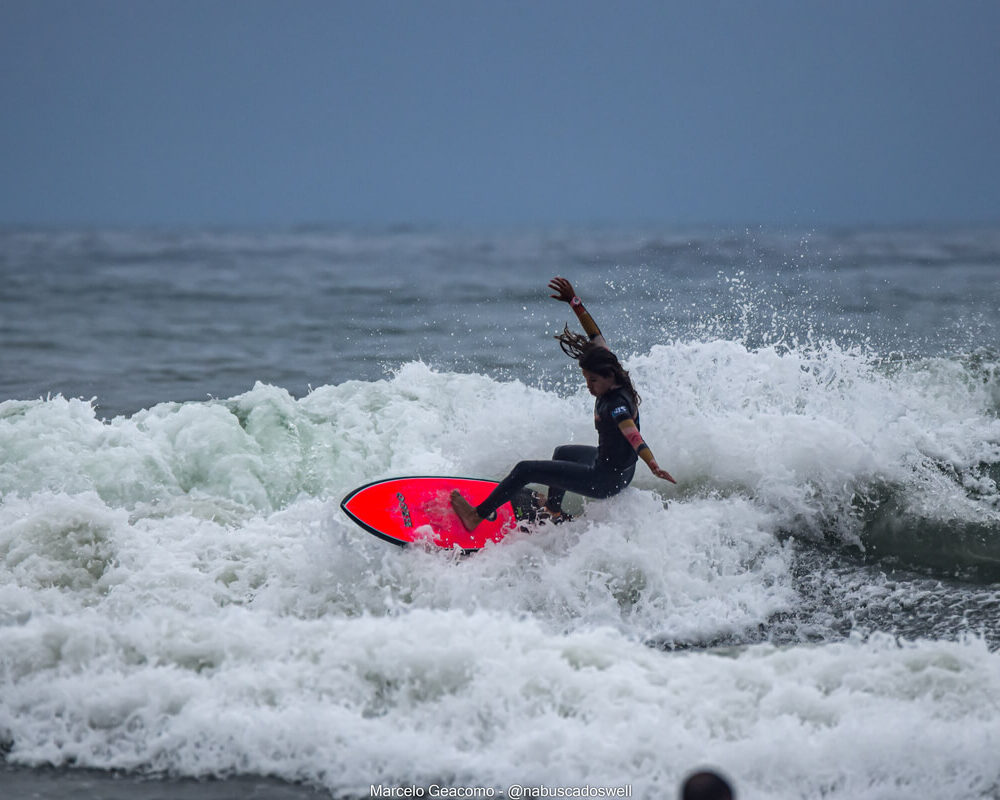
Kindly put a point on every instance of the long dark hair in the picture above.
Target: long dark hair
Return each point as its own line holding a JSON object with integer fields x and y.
{"x": 596, "y": 358}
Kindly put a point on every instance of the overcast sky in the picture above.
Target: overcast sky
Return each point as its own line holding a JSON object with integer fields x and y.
{"x": 472, "y": 112}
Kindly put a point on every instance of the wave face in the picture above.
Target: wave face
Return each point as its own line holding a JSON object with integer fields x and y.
{"x": 813, "y": 608}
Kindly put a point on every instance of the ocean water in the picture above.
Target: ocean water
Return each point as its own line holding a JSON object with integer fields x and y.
{"x": 812, "y": 610}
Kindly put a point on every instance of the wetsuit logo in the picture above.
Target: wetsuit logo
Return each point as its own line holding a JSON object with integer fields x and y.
{"x": 403, "y": 508}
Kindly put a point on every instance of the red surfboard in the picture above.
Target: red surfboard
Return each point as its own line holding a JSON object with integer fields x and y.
{"x": 418, "y": 509}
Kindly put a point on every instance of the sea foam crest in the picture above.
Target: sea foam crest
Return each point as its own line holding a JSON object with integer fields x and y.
{"x": 809, "y": 433}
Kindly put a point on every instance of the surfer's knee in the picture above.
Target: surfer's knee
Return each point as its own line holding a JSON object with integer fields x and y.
{"x": 521, "y": 469}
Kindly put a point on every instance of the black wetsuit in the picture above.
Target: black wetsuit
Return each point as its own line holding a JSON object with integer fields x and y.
{"x": 600, "y": 471}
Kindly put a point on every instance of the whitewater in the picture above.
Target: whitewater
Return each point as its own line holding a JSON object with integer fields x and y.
{"x": 812, "y": 610}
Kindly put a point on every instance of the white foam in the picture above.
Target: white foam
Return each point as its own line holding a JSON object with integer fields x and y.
{"x": 489, "y": 699}
{"x": 179, "y": 590}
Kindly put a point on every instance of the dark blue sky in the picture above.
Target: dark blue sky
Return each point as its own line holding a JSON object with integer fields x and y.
{"x": 241, "y": 112}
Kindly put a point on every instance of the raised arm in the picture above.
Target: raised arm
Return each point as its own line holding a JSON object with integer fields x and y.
{"x": 631, "y": 432}
{"x": 564, "y": 291}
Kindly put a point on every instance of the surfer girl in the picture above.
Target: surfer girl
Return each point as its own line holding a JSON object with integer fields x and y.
{"x": 600, "y": 471}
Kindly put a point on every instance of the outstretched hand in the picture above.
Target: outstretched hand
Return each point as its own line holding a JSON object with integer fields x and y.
{"x": 563, "y": 288}
{"x": 659, "y": 472}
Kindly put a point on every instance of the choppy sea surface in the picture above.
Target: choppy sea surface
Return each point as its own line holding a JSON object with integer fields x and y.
{"x": 812, "y": 610}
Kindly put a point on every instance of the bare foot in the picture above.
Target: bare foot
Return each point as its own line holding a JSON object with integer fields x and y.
{"x": 546, "y": 514}
{"x": 466, "y": 513}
